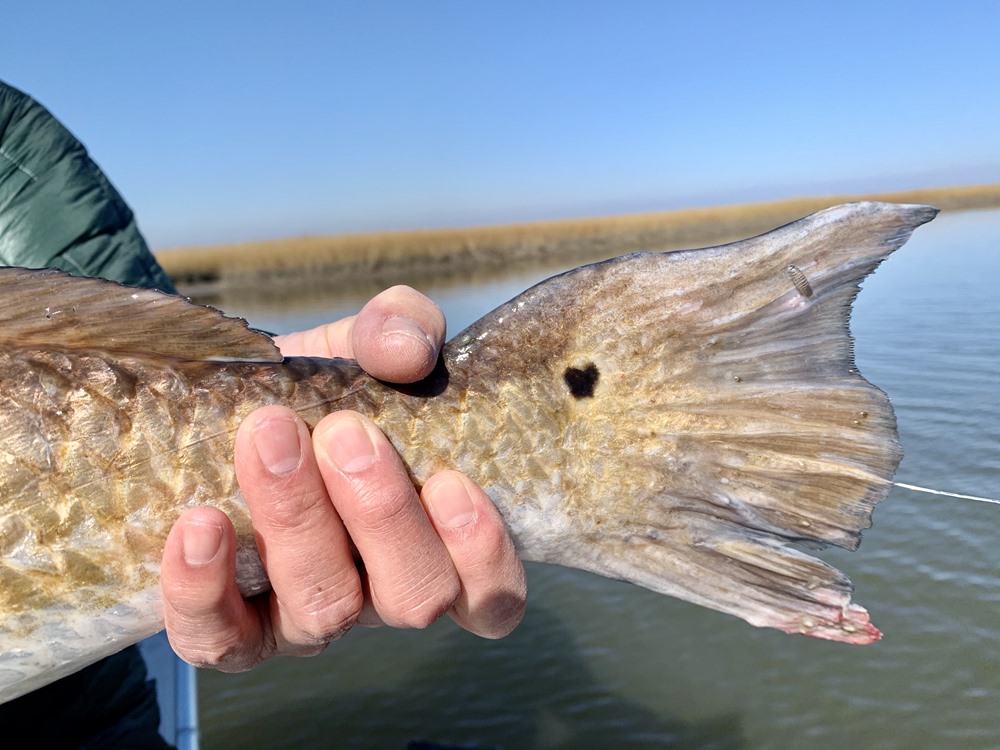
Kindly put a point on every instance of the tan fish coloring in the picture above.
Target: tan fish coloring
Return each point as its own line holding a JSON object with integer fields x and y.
{"x": 675, "y": 419}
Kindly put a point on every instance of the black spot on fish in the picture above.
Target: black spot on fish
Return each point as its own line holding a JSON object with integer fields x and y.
{"x": 582, "y": 382}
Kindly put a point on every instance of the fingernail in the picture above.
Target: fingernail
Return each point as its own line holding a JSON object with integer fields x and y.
{"x": 277, "y": 443}
{"x": 451, "y": 504}
{"x": 349, "y": 445}
{"x": 201, "y": 542}
{"x": 397, "y": 325}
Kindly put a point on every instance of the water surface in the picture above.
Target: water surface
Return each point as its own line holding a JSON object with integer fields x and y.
{"x": 600, "y": 664}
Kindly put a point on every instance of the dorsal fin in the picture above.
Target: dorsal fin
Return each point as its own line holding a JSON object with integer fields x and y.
{"x": 51, "y": 309}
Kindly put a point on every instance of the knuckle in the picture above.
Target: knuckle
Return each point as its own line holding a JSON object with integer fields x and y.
{"x": 327, "y": 616}
{"x": 424, "y": 607}
{"x": 227, "y": 652}
{"x": 422, "y": 615}
{"x": 311, "y": 649}
{"x": 486, "y": 556}
{"x": 290, "y": 506}
{"x": 381, "y": 506}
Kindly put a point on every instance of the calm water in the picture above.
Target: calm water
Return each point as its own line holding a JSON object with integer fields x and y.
{"x": 600, "y": 664}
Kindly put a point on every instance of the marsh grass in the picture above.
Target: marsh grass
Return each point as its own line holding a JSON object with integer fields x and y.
{"x": 390, "y": 257}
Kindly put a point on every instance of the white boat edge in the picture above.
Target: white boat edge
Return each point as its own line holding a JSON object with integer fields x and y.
{"x": 176, "y": 692}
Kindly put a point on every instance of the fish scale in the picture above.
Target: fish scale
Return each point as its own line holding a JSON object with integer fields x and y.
{"x": 679, "y": 420}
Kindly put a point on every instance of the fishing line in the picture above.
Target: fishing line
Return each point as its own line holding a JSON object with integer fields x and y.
{"x": 929, "y": 491}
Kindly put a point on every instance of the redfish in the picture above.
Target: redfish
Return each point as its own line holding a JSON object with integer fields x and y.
{"x": 681, "y": 420}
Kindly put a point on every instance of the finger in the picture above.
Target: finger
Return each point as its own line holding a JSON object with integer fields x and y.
{"x": 409, "y": 573}
{"x": 398, "y": 334}
{"x": 208, "y": 622}
{"x": 316, "y": 591}
{"x": 494, "y": 589}
{"x": 329, "y": 340}
{"x": 396, "y": 337}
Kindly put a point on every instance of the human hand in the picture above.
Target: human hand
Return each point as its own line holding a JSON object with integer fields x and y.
{"x": 345, "y": 537}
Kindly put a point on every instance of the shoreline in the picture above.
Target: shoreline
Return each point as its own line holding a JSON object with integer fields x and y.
{"x": 392, "y": 257}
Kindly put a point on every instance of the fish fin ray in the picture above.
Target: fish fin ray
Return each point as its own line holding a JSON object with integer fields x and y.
{"x": 46, "y": 308}
{"x": 725, "y": 567}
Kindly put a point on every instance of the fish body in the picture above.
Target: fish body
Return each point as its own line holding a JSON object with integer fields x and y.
{"x": 671, "y": 419}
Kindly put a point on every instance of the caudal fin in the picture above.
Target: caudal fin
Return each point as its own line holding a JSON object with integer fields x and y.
{"x": 712, "y": 415}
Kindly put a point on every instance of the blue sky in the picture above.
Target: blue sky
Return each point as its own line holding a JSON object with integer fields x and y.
{"x": 229, "y": 121}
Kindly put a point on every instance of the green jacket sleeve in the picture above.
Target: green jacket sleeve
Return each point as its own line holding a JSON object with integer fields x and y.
{"x": 57, "y": 209}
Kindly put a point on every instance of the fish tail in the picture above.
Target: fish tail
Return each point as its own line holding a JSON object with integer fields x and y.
{"x": 713, "y": 422}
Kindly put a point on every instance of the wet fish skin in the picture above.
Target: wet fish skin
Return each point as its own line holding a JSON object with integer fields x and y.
{"x": 671, "y": 419}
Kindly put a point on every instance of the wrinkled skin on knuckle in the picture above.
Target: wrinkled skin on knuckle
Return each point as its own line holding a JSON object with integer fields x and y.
{"x": 378, "y": 510}
{"x": 227, "y": 652}
{"x": 422, "y": 604}
{"x": 328, "y": 618}
{"x": 192, "y": 639}
{"x": 290, "y": 506}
